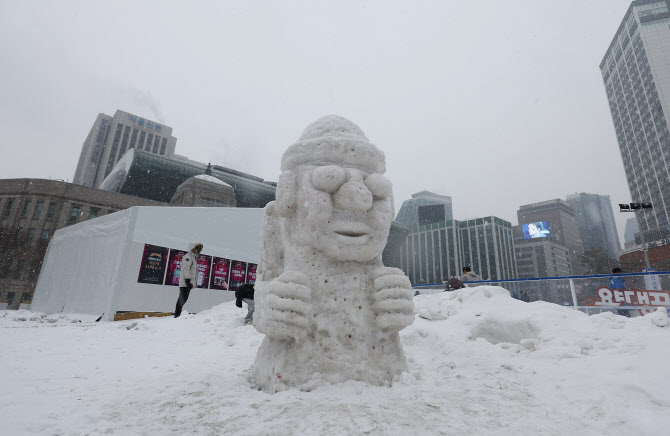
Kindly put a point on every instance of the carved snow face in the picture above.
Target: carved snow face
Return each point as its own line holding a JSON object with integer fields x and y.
{"x": 344, "y": 212}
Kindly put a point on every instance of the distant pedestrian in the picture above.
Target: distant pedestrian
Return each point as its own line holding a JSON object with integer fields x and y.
{"x": 469, "y": 275}
{"x": 188, "y": 275}
{"x": 246, "y": 293}
{"x": 619, "y": 283}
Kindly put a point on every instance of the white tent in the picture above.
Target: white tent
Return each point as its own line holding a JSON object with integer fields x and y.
{"x": 92, "y": 267}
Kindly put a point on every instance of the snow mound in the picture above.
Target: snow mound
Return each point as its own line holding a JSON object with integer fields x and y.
{"x": 659, "y": 318}
{"x": 489, "y": 365}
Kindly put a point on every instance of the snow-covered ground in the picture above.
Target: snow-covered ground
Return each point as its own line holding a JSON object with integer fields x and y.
{"x": 480, "y": 363}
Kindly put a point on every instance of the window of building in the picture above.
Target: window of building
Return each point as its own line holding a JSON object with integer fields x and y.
{"x": 26, "y": 207}
{"x": 140, "y": 144}
{"x": 31, "y": 236}
{"x": 26, "y": 298}
{"x": 133, "y": 139}
{"x": 8, "y": 207}
{"x": 34, "y": 270}
{"x": 18, "y": 271}
{"x": 4, "y": 267}
{"x": 93, "y": 213}
{"x": 150, "y": 139}
{"x": 74, "y": 214}
{"x": 10, "y": 297}
{"x": 51, "y": 210}
{"x": 156, "y": 142}
{"x": 163, "y": 146}
{"x": 44, "y": 235}
{"x": 38, "y": 210}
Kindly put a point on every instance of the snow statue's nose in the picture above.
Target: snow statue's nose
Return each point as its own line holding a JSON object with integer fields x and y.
{"x": 353, "y": 195}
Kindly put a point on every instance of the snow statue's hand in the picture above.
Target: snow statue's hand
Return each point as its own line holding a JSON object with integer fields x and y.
{"x": 393, "y": 299}
{"x": 285, "y": 304}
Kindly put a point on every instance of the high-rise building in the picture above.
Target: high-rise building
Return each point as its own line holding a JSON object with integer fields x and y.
{"x": 435, "y": 252}
{"x": 111, "y": 137}
{"x": 630, "y": 231}
{"x": 636, "y": 74}
{"x": 563, "y": 226}
{"x": 540, "y": 257}
{"x": 425, "y": 208}
{"x": 596, "y": 222}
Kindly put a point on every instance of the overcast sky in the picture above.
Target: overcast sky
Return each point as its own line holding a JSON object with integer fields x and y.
{"x": 497, "y": 104}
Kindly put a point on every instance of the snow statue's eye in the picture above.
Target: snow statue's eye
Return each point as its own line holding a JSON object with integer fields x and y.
{"x": 328, "y": 179}
{"x": 380, "y": 186}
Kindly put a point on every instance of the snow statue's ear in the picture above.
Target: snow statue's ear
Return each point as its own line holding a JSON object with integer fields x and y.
{"x": 286, "y": 194}
{"x": 271, "y": 262}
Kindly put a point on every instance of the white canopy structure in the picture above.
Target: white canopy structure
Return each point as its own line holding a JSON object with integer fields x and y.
{"x": 93, "y": 267}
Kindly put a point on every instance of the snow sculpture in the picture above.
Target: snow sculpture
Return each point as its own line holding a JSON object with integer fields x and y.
{"x": 329, "y": 308}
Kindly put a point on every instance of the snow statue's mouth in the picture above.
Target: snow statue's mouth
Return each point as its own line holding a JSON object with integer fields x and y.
{"x": 352, "y": 233}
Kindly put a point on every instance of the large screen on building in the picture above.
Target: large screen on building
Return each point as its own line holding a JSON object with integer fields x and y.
{"x": 431, "y": 214}
{"x": 540, "y": 229}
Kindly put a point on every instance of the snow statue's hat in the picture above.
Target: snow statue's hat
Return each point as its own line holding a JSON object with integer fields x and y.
{"x": 334, "y": 140}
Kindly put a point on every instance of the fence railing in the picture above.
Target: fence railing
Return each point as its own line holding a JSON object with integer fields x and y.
{"x": 628, "y": 294}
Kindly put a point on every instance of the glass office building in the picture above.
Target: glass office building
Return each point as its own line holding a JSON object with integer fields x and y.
{"x": 436, "y": 252}
{"x": 636, "y": 74}
{"x": 146, "y": 175}
{"x": 417, "y": 210}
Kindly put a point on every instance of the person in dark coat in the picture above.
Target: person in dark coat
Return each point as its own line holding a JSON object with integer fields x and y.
{"x": 246, "y": 293}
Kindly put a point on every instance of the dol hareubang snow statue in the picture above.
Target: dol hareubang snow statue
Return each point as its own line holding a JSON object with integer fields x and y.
{"x": 329, "y": 308}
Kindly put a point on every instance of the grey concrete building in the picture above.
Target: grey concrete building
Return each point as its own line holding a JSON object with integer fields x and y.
{"x": 564, "y": 228}
{"x": 636, "y": 74}
{"x": 541, "y": 257}
{"x": 111, "y": 137}
{"x": 31, "y": 210}
{"x": 425, "y": 208}
{"x": 436, "y": 252}
{"x": 595, "y": 219}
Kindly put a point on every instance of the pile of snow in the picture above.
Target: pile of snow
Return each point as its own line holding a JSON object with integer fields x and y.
{"x": 480, "y": 362}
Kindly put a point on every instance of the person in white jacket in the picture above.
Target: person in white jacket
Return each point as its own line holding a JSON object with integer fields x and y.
{"x": 188, "y": 275}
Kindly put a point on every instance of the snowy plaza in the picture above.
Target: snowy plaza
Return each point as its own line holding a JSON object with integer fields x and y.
{"x": 480, "y": 362}
{"x": 335, "y": 218}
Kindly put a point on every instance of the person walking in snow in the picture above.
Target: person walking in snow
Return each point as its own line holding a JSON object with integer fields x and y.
{"x": 246, "y": 293}
{"x": 188, "y": 276}
{"x": 469, "y": 275}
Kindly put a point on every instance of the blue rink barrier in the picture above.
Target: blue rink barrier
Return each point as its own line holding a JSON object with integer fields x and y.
{"x": 642, "y": 293}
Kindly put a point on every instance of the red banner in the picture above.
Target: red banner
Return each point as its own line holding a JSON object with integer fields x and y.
{"x": 174, "y": 267}
{"x": 251, "y": 273}
{"x": 204, "y": 263}
{"x": 237, "y": 274}
{"x": 630, "y": 297}
{"x": 220, "y": 270}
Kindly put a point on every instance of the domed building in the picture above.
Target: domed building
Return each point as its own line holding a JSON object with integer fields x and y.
{"x": 204, "y": 191}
